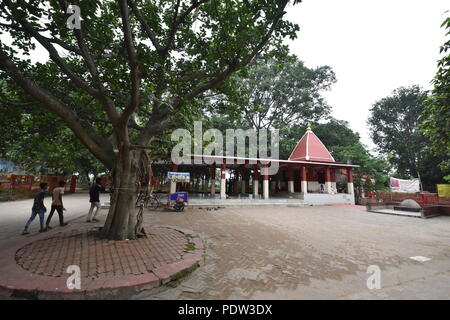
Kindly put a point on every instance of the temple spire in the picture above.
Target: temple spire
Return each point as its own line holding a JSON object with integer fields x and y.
{"x": 310, "y": 148}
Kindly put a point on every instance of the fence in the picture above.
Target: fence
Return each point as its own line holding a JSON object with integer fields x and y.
{"x": 19, "y": 186}
{"x": 424, "y": 199}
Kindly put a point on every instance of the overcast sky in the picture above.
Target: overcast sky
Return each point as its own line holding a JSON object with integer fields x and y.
{"x": 374, "y": 47}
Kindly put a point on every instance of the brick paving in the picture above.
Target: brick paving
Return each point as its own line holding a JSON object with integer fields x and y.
{"x": 99, "y": 257}
{"x": 319, "y": 252}
{"x": 39, "y": 264}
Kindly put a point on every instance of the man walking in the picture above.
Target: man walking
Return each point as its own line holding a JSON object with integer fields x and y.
{"x": 94, "y": 195}
{"x": 38, "y": 208}
{"x": 57, "y": 204}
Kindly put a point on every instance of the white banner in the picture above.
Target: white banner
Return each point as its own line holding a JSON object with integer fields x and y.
{"x": 399, "y": 185}
{"x": 178, "y": 176}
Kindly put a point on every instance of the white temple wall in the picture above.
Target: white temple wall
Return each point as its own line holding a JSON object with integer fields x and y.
{"x": 323, "y": 198}
{"x": 313, "y": 186}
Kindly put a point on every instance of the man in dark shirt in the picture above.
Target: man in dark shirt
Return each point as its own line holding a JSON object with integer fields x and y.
{"x": 94, "y": 195}
{"x": 38, "y": 208}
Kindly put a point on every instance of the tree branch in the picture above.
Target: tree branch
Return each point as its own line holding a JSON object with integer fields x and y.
{"x": 30, "y": 30}
{"x": 132, "y": 124}
{"x": 145, "y": 25}
{"x": 198, "y": 76}
{"x": 63, "y": 45}
{"x": 257, "y": 49}
{"x": 233, "y": 66}
{"x": 18, "y": 104}
{"x": 108, "y": 104}
{"x": 179, "y": 20}
{"x": 157, "y": 121}
{"x": 100, "y": 147}
{"x": 134, "y": 64}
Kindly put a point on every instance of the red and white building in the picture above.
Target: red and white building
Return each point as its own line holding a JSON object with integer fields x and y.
{"x": 310, "y": 174}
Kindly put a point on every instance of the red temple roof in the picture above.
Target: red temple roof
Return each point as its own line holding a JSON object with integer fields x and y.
{"x": 310, "y": 148}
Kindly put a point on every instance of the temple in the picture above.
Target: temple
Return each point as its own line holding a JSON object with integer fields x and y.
{"x": 310, "y": 174}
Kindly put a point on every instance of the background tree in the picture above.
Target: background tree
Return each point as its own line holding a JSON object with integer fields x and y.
{"x": 394, "y": 128}
{"x": 436, "y": 114}
{"x": 276, "y": 93}
{"x": 136, "y": 66}
{"x": 42, "y": 143}
{"x": 373, "y": 173}
{"x": 286, "y": 95}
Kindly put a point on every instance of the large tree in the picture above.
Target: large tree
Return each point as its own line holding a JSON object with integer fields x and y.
{"x": 436, "y": 114}
{"x": 394, "y": 127}
{"x": 276, "y": 93}
{"x": 373, "y": 172}
{"x": 46, "y": 148}
{"x": 41, "y": 142}
{"x": 136, "y": 65}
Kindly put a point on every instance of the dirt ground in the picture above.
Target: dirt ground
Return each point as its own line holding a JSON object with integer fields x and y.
{"x": 320, "y": 252}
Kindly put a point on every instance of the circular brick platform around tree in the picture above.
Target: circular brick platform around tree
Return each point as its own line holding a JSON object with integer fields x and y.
{"x": 40, "y": 265}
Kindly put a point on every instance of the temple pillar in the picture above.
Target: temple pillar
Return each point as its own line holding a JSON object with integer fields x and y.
{"x": 243, "y": 180}
{"x": 265, "y": 182}
{"x": 204, "y": 184}
{"x": 273, "y": 184}
{"x": 304, "y": 180}
{"x": 350, "y": 187}
{"x": 255, "y": 181}
{"x": 223, "y": 169}
{"x": 328, "y": 181}
{"x": 213, "y": 180}
{"x": 173, "y": 184}
{"x": 290, "y": 180}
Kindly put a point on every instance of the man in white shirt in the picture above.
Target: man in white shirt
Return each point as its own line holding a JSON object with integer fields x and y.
{"x": 57, "y": 204}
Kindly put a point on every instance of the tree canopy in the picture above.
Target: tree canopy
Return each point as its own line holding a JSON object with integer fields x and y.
{"x": 133, "y": 70}
{"x": 276, "y": 93}
{"x": 436, "y": 114}
{"x": 394, "y": 127}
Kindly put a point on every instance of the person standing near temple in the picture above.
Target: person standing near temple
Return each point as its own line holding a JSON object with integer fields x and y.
{"x": 57, "y": 204}
{"x": 38, "y": 208}
{"x": 94, "y": 199}
{"x": 153, "y": 183}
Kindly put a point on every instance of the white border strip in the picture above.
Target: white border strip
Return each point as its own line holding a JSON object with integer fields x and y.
{"x": 334, "y": 164}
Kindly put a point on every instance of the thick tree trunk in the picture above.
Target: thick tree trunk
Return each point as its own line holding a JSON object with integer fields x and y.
{"x": 121, "y": 222}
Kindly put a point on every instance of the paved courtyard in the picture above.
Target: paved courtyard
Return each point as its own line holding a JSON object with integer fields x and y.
{"x": 320, "y": 252}
{"x": 37, "y": 266}
{"x": 14, "y": 215}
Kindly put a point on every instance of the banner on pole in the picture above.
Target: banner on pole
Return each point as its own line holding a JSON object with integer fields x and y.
{"x": 400, "y": 185}
{"x": 178, "y": 176}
